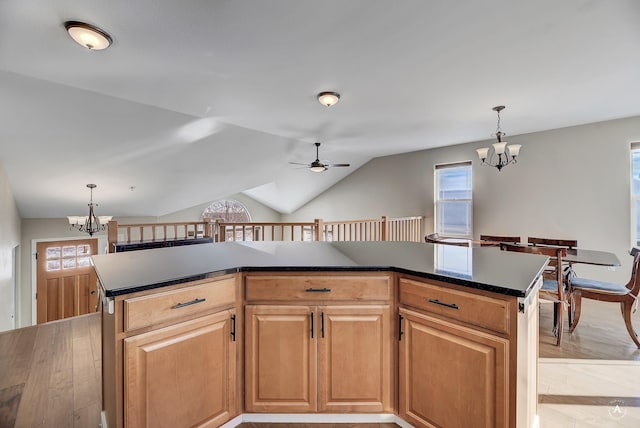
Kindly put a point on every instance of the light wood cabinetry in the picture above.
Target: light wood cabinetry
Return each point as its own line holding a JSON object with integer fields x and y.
{"x": 331, "y": 355}
{"x": 438, "y": 355}
{"x": 280, "y": 359}
{"x": 170, "y": 356}
{"x": 459, "y": 356}
{"x": 354, "y": 368}
{"x": 182, "y": 375}
{"x": 452, "y": 376}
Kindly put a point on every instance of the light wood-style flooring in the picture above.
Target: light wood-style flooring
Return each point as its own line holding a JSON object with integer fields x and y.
{"x": 600, "y": 335}
{"x": 50, "y": 374}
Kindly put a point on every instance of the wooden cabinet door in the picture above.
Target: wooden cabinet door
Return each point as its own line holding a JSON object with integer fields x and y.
{"x": 354, "y": 353}
{"x": 280, "y": 359}
{"x": 182, "y": 375}
{"x": 452, "y": 376}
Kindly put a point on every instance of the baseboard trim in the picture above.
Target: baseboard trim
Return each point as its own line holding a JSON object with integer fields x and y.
{"x": 320, "y": 418}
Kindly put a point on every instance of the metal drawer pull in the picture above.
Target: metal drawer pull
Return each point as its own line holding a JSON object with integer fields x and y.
{"x": 192, "y": 302}
{"x": 318, "y": 290}
{"x": 448, "y": 305}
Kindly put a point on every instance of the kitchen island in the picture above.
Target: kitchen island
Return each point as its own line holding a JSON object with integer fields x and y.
{"x": 214, "y": 334}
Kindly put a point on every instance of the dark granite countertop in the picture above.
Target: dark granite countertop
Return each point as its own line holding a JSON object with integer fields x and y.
{"x": 488, "y": 269}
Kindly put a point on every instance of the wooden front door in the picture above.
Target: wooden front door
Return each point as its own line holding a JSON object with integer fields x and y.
{"x": 66, "y": 280}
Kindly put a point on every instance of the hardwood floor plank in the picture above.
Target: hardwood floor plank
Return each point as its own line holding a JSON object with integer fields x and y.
{"x": 61, "y": 381}
{"x": 16, "y": 356}
{"x": 9, "y": 402}
{"x": 34, "y": 401}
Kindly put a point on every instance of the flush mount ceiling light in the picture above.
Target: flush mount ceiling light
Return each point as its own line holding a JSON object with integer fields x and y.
{"x": 328, "y": 98}
{"x": 500, "y": 148}
{"x": 88, "y": 36}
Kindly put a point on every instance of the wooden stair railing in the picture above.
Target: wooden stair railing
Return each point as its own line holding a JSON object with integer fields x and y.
{"x": 382, "y": 229}
{"x": 154, "y": 232}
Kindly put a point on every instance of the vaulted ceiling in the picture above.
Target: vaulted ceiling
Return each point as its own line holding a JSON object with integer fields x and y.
{"x": 197, "y": 100}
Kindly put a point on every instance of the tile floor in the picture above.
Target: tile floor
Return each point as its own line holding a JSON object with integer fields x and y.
{"x": 589, "y": 393}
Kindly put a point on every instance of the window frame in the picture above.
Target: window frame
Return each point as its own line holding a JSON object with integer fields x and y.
{"x": 634, "y": 234}
{"x": 437, "y": 224}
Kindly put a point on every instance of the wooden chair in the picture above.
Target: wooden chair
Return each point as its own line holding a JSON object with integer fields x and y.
{"x": 551, "y": 242}
{"x": 499, "y": 238}
{"x": 625, "y": 294}
{"x": 553, "y": 284}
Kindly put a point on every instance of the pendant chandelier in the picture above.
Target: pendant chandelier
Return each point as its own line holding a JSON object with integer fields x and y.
{"x": 506, "y": 154}
{"x": 89, "y": 224}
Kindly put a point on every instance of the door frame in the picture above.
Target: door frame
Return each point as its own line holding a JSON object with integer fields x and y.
{"x": 102, "y": 245}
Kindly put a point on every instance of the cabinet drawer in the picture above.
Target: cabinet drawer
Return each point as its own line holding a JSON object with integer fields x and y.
{"x": 317, "y": 288}
{"x": 486, "y": 312}
{"x": 172, "y": 305}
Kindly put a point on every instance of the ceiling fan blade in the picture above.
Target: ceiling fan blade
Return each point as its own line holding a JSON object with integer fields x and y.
{"x": 298, "y": 163}
{"x": 338, "y": 164}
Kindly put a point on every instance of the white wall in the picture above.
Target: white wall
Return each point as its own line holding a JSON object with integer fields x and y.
{"x": 569, "y": 183}
{"x": 58, "y": 229}
{"x": 9, "y": 239}
{"x": 257, "y": 211}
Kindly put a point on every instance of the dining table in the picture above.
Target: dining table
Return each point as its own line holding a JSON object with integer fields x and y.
{"x": 591, "y": 257}
{"x": 574, "y": 255}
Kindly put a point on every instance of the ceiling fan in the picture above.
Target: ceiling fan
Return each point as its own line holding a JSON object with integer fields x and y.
{"x": 317, "y": 166}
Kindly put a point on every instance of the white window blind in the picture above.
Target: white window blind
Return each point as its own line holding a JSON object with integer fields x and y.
{"x": 453, "y": 200}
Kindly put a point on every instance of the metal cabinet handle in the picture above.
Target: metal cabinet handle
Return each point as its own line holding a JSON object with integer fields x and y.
{"x": 318, "y": 290}
{"x": 192, "y": 302}
{"x": 448, "y": 305}
{"x": 322, "y": 323}
{"x": 400, "y": 332}
{"x": 233, "y": 328}
{"x": 312, "y": 325}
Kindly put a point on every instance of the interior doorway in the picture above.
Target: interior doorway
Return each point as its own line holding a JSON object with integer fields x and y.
{"x": 66, "y": 280}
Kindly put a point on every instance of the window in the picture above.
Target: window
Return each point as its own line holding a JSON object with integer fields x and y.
{"x": 453, "y": 201}
{"x": 635, "y": 194}
{"x": 68, "y": 257}
{"x": 230, "y": 211}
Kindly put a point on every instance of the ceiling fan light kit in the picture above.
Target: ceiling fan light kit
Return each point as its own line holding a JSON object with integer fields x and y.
{"x": 88, "y": 36}
{"x": 317, "y": 165}
{"x": 328, "y": 98}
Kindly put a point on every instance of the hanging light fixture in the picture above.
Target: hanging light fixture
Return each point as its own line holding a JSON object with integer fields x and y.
{"x": 89, "y": 224}
{"x": 506, "y": 153}
{"x": 328, "y": 98}
{"x": 87, "y": 35}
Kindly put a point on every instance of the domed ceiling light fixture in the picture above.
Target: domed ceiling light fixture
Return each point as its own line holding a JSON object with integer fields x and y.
{"x": 506, "y": 154}
{"x": 87, "y": 35}
{"x": 89, "y": 224}
{"x": 328, "y": 99}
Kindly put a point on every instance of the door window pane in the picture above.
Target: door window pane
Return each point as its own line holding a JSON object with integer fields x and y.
{"x": 53, "y": 253}
{"x": 53, "y": 265}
